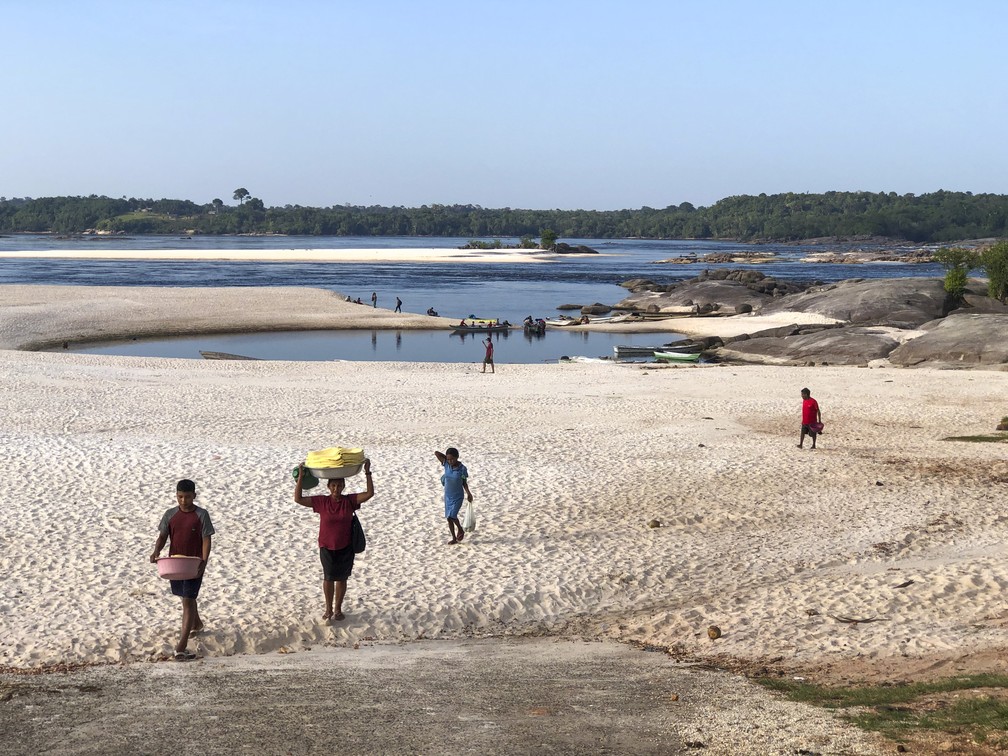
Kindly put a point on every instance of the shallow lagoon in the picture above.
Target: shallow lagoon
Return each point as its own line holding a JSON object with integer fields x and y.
{"x": 388, "y": 346}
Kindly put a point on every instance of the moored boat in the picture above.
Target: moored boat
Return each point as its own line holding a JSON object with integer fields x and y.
{"x": 224, "y": 356}
{"x": 496, "y": 328}
{"x": 677, "y": 356}
{"x": 623, "y": 351}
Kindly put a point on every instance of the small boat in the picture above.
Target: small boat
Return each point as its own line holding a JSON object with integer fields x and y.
{"x": 677, "y": 356}
{"x": 496, "y": 328}
{"x": 622, "y": 351}
{"x": 667, "y": 314}
{"x": 566, "y": 360}
{"x": 224, "y": 356}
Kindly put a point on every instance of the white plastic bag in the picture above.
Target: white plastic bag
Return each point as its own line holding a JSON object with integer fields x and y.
{"x": 469, "y": 519}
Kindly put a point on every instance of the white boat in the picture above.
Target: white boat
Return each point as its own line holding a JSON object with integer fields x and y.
{"x": 623, "y": 351}
{"x": 566, "y": 360}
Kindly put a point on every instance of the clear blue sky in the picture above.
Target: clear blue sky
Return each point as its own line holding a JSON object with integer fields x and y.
{"x": 542, "y": 104}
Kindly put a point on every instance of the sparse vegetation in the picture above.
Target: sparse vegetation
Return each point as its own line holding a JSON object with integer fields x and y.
{"x": 989, "y": 438}
{"x": 958, "y": 262}
{"x": 995, "y": 264}
{"x": 973, "y": 707}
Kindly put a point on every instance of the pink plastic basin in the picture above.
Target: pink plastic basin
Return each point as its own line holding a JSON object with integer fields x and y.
{"x": 178, "y": 567}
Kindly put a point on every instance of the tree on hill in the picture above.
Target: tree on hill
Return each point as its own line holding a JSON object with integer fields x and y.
{"x": 241, "y": 194}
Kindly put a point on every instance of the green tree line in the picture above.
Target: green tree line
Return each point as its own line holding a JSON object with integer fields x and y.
{"x": 936, "y": 217}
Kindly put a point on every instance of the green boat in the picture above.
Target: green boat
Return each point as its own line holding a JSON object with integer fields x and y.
{"x": 677, "y": 356}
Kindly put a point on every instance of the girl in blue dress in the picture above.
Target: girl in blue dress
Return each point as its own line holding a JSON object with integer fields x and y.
{"x": 456, "y": 484}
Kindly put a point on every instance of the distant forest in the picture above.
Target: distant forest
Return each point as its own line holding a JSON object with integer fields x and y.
{"x": 937, "y": 217}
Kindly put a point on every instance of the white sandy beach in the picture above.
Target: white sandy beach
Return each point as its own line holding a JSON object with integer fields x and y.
{"x": 568, "y": 464}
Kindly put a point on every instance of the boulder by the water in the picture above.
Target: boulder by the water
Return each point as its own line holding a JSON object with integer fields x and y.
{"x": 562, "y": 248}
{"x": 896, "y": 302}
{"x": 596, "y": 309}
{"x": 961, "y": 339}
{"x": 705, "y": 295}
{"x": 852, "y": 345}
{"x": 727, "y": 291}
{"x": 569, "y": 307}
{"x": 639, "y": 283}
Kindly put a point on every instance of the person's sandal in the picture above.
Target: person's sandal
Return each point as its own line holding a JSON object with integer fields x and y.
{"x": 184, "y": 656}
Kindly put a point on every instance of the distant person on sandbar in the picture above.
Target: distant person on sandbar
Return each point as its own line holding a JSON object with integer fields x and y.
{"x": 374, "y": 298}
{"x": 456, "y": 483}
{"x": 398, "y": 305}
{"x": 488, "y": 357}
{"x": 335, "y": 547}
{"x": 189, "y": 530}
{"x": 811, "y": 418}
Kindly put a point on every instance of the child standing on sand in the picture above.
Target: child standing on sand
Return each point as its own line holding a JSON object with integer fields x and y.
{"x": 456, "y": 483}
{"x": 189, "y": 529}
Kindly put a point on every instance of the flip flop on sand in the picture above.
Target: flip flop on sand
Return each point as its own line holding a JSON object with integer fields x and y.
{"x": 184, "y": 656}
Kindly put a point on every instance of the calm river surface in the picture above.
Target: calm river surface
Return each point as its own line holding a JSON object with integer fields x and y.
{"x": 508, "y": 291}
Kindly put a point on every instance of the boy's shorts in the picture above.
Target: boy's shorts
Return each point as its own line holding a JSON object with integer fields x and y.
{"x": 186, "y": 588}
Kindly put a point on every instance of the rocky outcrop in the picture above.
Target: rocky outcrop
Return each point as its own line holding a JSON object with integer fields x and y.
{"x": 722, "y": 291}
{"x": 562, "y": 248}
{"x": 896, "y": 302}
{"x": 961, "y": 339}
{"x": 705, "y": 295}
{"x": 851, "y": 345}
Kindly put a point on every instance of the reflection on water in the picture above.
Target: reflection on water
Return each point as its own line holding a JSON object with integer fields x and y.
{"x": 405, "y": 346}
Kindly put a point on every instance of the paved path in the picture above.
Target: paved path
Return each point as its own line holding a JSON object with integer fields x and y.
{"x": 481, "y": 697}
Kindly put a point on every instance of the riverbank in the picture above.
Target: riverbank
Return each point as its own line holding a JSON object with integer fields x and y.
{"x": 43, "y": 317}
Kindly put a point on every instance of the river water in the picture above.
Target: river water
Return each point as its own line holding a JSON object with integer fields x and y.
{"x": 508, "y": 291}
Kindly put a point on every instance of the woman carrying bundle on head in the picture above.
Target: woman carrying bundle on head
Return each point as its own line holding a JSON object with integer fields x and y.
{"x": 336, "y": 551}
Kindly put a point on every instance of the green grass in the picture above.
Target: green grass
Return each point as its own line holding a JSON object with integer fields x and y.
{"x": 968, "y": 710}
{"x": 990, "y": 438}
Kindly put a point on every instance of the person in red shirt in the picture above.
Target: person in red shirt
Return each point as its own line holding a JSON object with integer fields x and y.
{"x": 811, "y": 418}
{"x": 336, "y": 552}
{"x": 190, "y": 531}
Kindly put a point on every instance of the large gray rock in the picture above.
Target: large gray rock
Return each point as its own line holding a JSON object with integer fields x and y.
{"x": 966, "y": 340}
{"x": 720, "y": 295}
{"x": 851, "y": 345}
{"x": 896, "y": 302}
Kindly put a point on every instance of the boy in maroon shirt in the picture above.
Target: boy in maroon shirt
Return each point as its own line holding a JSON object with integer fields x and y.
{"x": 189, "y": 529}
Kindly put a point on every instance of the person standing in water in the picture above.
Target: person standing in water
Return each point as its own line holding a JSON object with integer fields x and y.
{"x": 456, "y": 487}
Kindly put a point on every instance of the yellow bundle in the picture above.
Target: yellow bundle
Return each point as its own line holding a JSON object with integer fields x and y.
{"x": 335, "y": 456}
